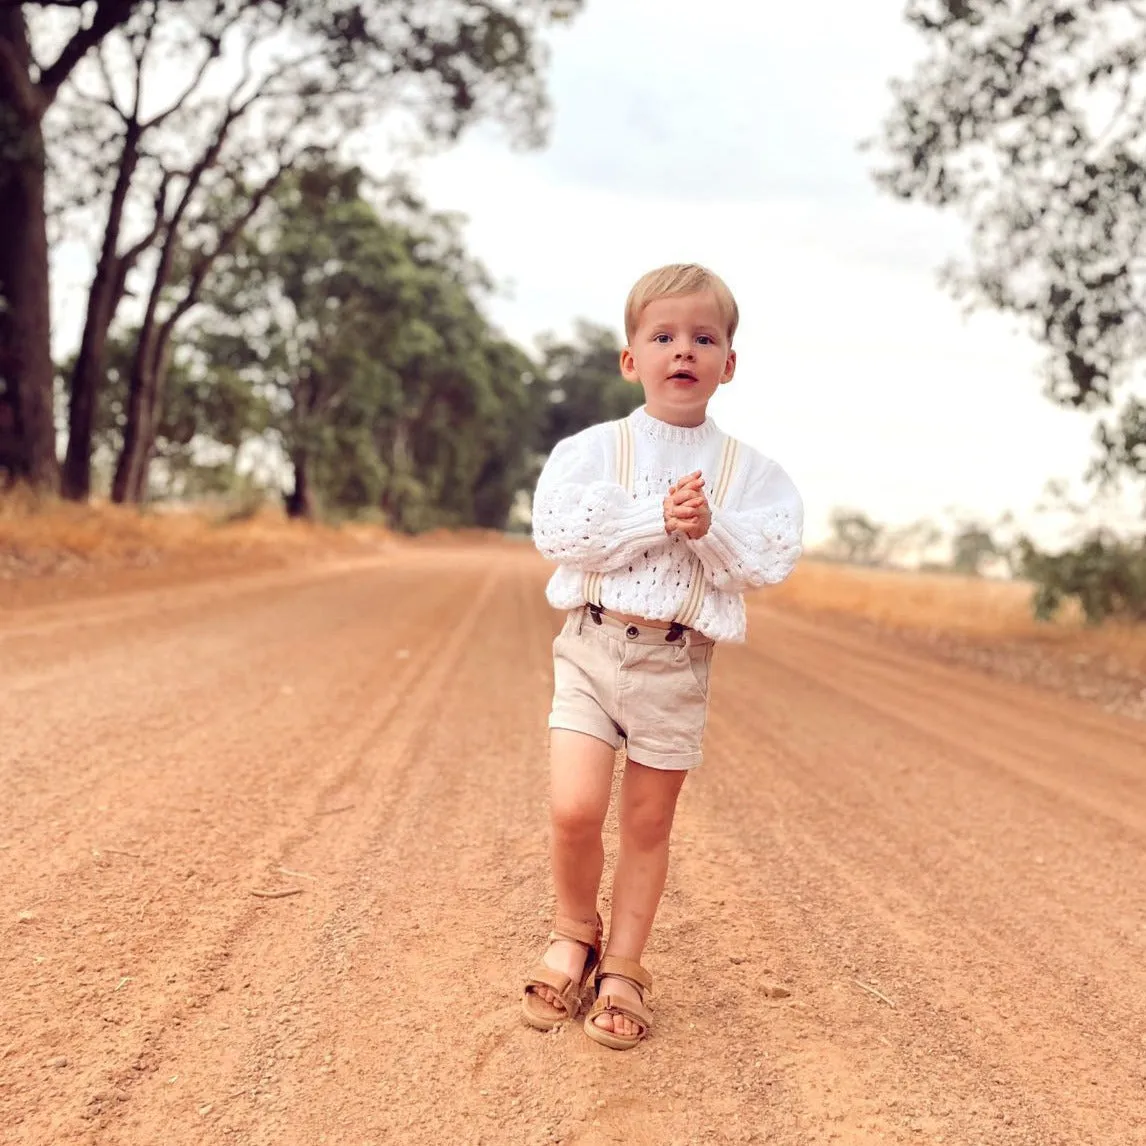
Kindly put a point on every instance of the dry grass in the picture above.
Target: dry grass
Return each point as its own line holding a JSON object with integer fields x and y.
{"x": 39, "y": 536}
{"x": 968, "y": 607}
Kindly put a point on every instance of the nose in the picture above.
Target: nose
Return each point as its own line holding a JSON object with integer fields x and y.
{"x": 685, "y": 352}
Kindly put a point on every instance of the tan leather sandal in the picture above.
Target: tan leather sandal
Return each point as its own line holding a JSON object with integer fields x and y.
{"x": 613, "y": 966}
{"x": 543, "y": 1015}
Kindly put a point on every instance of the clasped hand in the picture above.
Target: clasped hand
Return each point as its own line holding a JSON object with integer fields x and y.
{"x": 686, "y": 507}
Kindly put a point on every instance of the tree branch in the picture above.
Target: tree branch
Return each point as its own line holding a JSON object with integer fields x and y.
{"x": 108, "y": 15}
{"x": 226, "y": 241}
{"x": 215, "y": 43}
{"x": 130, "y": 257}
{"x": 109, "y": 83}
{"x": 15, "y": 57}
{"x": 140, "y": 56}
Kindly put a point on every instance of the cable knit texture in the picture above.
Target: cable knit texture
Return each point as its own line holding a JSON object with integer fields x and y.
{"x": 586, "y": 522}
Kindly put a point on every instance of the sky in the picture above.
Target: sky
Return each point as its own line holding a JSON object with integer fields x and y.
{"x": 728, "y": 134}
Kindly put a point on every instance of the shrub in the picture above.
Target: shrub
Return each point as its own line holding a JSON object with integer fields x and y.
{"x": 1104, "y": 573}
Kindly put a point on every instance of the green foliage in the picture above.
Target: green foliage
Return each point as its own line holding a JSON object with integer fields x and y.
{"x": 349, "y": 332}
{"x": 361, "y": 325}
{"x": 971, "y": 548}
{"x": 206, "y": 402}
{"x": 1028, "y": 119}
{"x": 1104, "y": 574}
{"x": 581, "y": 384}
{"x": 855, "y": 538}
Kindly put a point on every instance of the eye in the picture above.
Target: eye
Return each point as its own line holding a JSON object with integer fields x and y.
{"x": 663, "y": 339}
{"x": 706, "y": 340}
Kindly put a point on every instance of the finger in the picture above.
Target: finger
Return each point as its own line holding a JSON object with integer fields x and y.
{"x": 688, "y": 491}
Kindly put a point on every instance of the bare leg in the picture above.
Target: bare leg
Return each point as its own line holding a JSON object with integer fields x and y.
{"x": 648, "y": 804}
{"x": 581, "y": 779}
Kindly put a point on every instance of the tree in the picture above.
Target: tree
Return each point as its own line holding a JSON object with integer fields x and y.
{"x": 971, "y": 548}
{"x": 581, "y": 384}
{"x": 1104, "y": 574}
{"x": 1029, "y": 119}
{"x": 446, "y": 63}
{"x": 856, "y": 539}
{"x": 360, "y": 324}
{"x": 29, "y": 84}
{"x": 210, "y": 413}
{"x": 254, "y": 85}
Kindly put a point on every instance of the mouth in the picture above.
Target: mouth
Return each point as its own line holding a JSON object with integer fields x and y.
{"x": 683, "y": 376}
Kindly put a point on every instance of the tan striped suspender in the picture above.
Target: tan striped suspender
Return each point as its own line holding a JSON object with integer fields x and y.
{"x": 718, "y": 490}
{"x": 623, "y": 476}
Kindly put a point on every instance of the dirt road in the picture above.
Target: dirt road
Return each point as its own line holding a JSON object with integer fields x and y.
{"x": 946, "y": 872}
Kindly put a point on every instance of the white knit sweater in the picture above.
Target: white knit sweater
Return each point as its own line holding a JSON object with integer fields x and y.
{"x": 587, "y": 523}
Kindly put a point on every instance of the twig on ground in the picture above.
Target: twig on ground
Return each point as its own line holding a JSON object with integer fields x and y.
{"x": 335, "y": 811}
{"x": 300, "y": 874}
{"x": 120, "y": 852}
{"x": 877, "y": 994}
{"x": 277, "y": 894}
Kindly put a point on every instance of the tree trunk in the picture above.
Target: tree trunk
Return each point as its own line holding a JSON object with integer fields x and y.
{"x": 103, "y": 301}
{"x": 130, "y": 482}
{"x": 300, "y": 501}
{"x": 25, "y": 325}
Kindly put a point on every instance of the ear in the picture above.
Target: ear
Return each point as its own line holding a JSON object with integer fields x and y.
{"x": 629, "y": 366}
{"x": 729, "y": 367}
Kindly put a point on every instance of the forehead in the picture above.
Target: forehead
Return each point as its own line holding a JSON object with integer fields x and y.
{"x": 698, "y": 309}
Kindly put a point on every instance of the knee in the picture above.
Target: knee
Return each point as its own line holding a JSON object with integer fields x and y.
{"x": 647, "y": 825}
{"x": 576, "y": 820}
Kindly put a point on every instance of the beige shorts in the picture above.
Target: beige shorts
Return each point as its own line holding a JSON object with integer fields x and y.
{"x": 622, "y": 682}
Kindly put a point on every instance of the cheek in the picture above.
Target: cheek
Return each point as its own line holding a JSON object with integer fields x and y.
{"x": 650, "y": 356}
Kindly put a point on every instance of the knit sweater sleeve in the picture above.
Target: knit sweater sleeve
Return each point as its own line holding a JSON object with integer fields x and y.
{"x": 758, "y": 542}
{"x": 584, "y": 521}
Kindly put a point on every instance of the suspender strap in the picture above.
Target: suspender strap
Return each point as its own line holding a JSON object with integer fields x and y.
{"x": 623, "y": 461}
{"x": 694, "y": 598}
{"x": 623, "y": 475}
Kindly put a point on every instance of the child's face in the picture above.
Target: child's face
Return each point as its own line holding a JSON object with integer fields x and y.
{"x": 680, "y": 354}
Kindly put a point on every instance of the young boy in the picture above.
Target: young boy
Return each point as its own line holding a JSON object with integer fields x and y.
{"x": 658, "y": 524}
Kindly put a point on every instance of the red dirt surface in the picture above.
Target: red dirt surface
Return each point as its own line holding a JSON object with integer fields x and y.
{"x": 907, "y": 901}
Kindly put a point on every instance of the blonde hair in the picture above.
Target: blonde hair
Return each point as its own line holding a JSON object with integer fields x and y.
{"x": 678, "y": 279}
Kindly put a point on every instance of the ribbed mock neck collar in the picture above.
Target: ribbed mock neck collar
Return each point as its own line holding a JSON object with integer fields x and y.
{"x": 644, "y": 423}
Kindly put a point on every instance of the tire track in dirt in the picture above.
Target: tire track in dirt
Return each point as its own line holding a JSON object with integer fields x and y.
{"x": 957, "y": 887}
{"x": 969, "y": 850}
{"x": 200, "y": 854}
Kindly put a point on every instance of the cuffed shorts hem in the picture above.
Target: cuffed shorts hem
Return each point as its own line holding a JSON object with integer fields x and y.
{"x": 663, "y": 762}
{"x": 603, "y": 729}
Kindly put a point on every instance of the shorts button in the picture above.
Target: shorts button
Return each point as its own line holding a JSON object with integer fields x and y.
{"x": 632, "y": 631}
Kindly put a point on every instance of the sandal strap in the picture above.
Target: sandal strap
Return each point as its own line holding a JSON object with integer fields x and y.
{"x": 545, "y": 976}
{"x": 578, "y": 931}
{"x": 626, "y": 1008}
{"x": 620, "y": 968}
